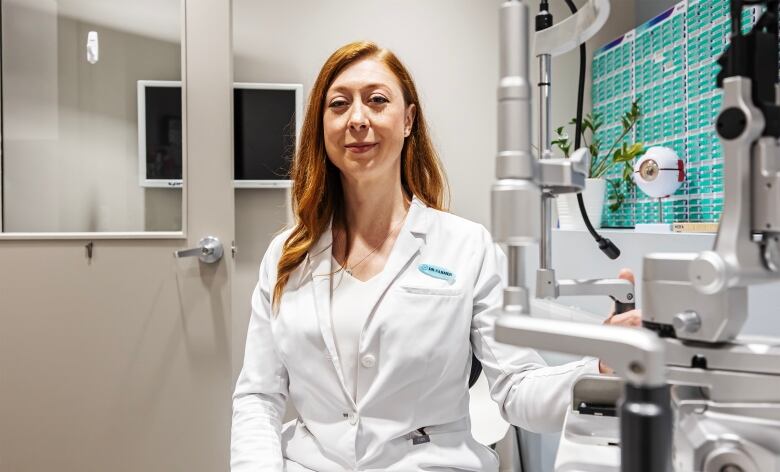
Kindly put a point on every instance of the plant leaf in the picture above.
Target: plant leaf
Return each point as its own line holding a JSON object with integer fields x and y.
{"x": 615, "y": 194}
{"x": 628, "y": 170}
{"x": 597, "y": 122}
{"x": 591, "y": 123}
{"x": 563, "y": 144}
{"x": 636, "y": 149}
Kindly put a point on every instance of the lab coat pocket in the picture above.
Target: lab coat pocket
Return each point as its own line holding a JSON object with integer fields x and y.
{"x": 440, "y": 291}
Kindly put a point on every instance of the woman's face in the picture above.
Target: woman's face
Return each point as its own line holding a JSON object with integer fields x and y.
{"x": 366, "y": 121}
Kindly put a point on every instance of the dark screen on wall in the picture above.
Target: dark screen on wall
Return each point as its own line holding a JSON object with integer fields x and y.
{"x": 264, "y": 133}
{"x": 163, "y": 133}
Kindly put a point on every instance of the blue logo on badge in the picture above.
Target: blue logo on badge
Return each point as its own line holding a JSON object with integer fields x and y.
{"x": 437, "y": 272}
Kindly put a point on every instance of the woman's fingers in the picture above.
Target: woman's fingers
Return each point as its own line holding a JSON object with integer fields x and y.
{"x": 626, "y": 274}
{"x": 631, "y": 318}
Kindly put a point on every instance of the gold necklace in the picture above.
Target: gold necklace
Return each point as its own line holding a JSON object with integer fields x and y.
{"x": 349, "y": 270}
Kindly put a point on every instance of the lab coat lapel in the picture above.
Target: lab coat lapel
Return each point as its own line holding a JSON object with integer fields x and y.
{"x": 320, "y": 264}
{"x": 407, "y": 245}
{"x": 410, "y": 239}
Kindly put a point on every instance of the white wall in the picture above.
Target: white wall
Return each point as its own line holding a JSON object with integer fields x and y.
{"x": 450, "y": 48}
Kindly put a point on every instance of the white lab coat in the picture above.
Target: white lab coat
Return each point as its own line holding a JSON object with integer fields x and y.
{"x": 413, "y": 366}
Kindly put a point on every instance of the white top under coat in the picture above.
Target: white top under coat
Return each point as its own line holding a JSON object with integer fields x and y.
{"x": 351, "y": 302}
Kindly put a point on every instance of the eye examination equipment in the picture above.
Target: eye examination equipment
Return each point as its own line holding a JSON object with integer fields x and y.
{"x": 551, "y": 41}
{"x": 697, "y": 395}
{"x": 659, "y": 173}
{"x": 518, "y": 191}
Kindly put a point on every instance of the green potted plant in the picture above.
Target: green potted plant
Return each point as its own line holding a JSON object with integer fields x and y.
{"x": 619, "y": 153}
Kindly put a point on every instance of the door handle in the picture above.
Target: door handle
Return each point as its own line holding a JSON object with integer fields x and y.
{"x": 209, "y": 250}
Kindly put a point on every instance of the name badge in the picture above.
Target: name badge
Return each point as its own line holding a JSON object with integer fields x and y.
{"x": 437, "y": 272}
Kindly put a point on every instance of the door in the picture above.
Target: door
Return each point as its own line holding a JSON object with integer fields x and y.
{"x": 114, "y": 354}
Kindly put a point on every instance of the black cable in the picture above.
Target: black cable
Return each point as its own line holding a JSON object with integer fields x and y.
{"x": 736, "y": 18}
{"x": 580, "y": 86}
{"x": 606, "y": 246}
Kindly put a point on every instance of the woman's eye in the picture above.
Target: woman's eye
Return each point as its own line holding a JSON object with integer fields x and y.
{"x": 337, "y": 104}
{"x": 378, "y": 99}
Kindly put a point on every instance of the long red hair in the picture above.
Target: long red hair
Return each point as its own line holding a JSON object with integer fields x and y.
{"x": 316, "y": 190}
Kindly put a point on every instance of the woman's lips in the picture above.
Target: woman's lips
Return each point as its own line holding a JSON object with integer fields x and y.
{"x": 360, "y": 148}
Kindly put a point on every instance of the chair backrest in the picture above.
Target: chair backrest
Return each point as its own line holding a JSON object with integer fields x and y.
{"x": 476, "y": 369}
{"x": 487, "y": 425}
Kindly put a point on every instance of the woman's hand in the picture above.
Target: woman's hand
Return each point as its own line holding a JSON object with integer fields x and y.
{"x": 631, "y": 318}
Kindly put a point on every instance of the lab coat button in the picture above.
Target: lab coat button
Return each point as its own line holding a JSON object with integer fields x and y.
{"x": 368, "y": 361}
{"x": 353, "y": 419}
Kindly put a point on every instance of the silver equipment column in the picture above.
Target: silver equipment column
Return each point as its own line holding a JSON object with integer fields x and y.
{"x": 515, "y": 205}
{"x": 544, "y": 20}
{"x": 545, "y": 99}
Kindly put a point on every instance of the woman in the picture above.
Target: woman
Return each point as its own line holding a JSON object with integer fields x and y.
{"x": 367, "y": 312}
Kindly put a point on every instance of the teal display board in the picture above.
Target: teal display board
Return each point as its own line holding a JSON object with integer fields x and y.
{"x": 669, "y": 66}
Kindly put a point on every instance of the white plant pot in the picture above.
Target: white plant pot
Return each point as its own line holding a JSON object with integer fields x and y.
{"x": 569, "y": 216}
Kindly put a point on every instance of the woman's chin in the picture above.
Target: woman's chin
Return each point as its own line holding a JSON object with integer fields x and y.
{"x": 362, "y": 161}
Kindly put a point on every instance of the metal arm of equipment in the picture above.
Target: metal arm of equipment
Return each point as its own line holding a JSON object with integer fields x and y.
{"x": 622, "y": 291}
{"x": 638, "y": 355}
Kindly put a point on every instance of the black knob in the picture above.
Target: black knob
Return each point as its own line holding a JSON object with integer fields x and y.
{"x": 609, "y": 248}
